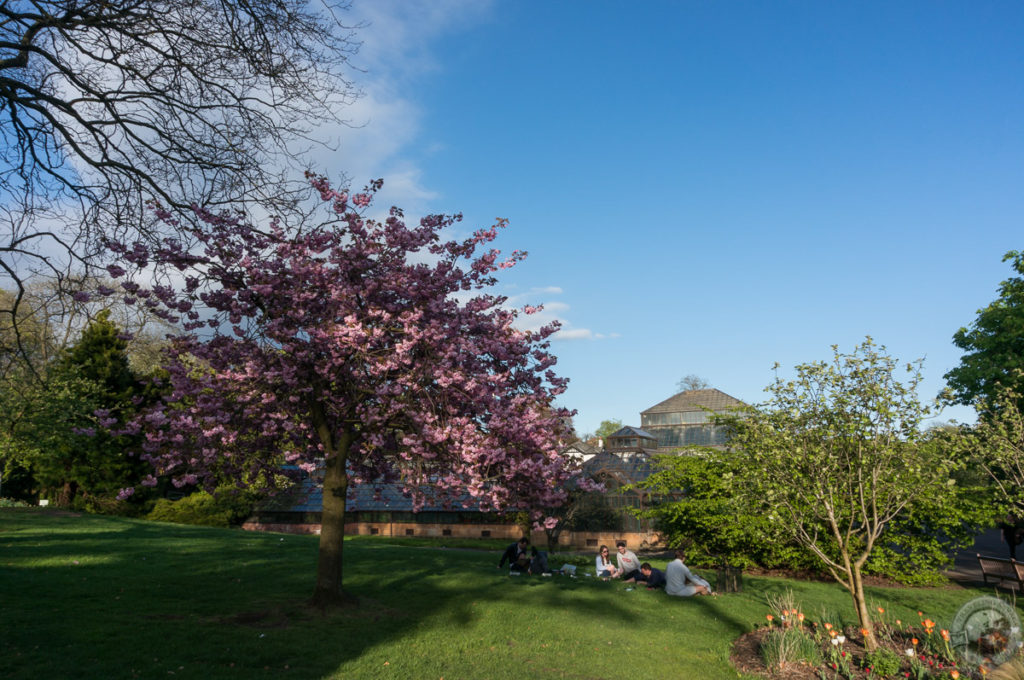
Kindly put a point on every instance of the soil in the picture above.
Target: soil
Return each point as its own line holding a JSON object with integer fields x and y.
{"x": 746, "y": 657}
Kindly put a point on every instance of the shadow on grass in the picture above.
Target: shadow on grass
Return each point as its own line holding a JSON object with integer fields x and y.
{"x": 109, "y": 597}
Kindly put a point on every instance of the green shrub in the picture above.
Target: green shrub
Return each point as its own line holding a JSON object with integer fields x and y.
{"x": 12, "y": 503}
{"x": 782, "y": 647}
{"x": 105, "y": 505}
{"x": 693, "y": 506}
{"x": 883, "y": 663}
{"x": 223, "y": 509}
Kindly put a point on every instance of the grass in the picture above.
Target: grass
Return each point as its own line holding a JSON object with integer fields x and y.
{"x": 90, "y": 597}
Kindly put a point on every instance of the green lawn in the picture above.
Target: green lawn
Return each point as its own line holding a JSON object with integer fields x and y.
{"x": 103, "y": 597}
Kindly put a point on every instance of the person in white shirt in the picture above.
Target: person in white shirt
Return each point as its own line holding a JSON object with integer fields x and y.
{"x": 681, "y": 581}
{"x": 605, "y": 568}
{"x": 628, "y": 563}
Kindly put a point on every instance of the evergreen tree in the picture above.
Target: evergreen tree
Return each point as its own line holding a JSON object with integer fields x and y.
{"x": 90, "y": 390}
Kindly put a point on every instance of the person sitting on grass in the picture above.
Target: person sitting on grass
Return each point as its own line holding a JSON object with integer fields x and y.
{"x": 605, "y": 568}
{"x": 629, "y": 565}
{"x": 681, "y": 581}
{"x": 517, "y": 555}
{"x": 539, "y": 562}
{"x": 654, "y": 578}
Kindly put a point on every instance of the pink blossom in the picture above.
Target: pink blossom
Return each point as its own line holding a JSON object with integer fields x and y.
{"x": 340, "y": 342}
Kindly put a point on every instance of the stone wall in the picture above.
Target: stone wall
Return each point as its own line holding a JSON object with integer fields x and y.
{"x": 567, "y": 540}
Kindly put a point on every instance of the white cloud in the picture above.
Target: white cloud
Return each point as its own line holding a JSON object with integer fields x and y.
{"x": 551, "y": 311}
{"x": 574, "y": 334}
{"x": 384, "y": 126}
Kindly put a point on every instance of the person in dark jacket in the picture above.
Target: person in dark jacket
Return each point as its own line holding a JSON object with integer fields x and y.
{"x": 654, "y": 578}
{"x": 517, "y": 555}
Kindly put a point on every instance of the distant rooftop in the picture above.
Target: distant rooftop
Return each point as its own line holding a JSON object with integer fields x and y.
{"x": 307, "y": 496}
{"x": 630, "y": 431}
{"x": 696, "y": 400}
{"x": 582, "y": 447}
{"x": 626, "y": 469}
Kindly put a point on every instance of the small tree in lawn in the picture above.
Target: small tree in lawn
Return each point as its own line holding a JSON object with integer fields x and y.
{"x": 359, "y": 347}
{"x": 833, "y": 457}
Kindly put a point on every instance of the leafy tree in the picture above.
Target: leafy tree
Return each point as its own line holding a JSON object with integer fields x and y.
{"x": 105, "y": 106}
{"x": 996, "y": 444}
{"x": 352, "y": 350}
{"x": 48, "y": 426}
{"x": 695, "y": 507}
{"x": 835, "y": 458}
{"x": 920, "y": 541}
{"x": 608, "y": 427}
{"x": 692, "y": 382}
{"x": 90, "y": 389}
{"x": 994, "y": 343}
{"x": 54, "y": 373}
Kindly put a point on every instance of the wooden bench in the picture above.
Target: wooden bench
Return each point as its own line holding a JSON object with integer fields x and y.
{"x": 1001, "y": 569}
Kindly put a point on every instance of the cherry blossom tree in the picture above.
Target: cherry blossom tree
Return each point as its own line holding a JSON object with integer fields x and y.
{"x": 366, "y": 351}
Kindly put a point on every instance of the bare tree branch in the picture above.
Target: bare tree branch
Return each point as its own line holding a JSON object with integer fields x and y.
{"x": 107, "y": 107}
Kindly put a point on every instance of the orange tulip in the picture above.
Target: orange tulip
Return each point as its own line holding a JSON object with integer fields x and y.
{"x": 945, "y": 635}
{"x": 913, "y": 641}
{"x": 954, "y": 674}
{"x": 881, "y": 611}
{"x": 800, "y": 616}
{"x": 828, "y": 626}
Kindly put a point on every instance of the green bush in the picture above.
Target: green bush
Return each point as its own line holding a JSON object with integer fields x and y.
{"x": 221, "y": 509}
{"x": 883, "y": 663}
{"x": 12, "y": 503}
{"x": 692, "y": 504}
{"x": 105, "y": 505}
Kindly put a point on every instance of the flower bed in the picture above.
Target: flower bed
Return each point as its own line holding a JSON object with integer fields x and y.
{"x": 792, "y": 644}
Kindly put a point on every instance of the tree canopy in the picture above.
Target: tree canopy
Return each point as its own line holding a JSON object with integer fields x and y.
{"x": 55, "y": 430}
{"x": 996, "y": 444}
{"x": 834, "y": 458}
{"x": 993, "y": 344}
{"x": 358, "y": 350}
{"x": 608, "y": 427}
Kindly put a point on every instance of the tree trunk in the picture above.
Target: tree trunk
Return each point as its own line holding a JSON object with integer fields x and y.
{"x": 66, "y": 495}
{"x": 328, "y": 591}
{"x": 861, "y": 605}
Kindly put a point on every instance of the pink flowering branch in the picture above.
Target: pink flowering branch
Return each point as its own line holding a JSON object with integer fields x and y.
{"x": 339, "y": 350}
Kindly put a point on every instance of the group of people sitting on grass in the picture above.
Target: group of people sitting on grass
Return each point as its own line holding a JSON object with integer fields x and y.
{"x": 677, "y": 579}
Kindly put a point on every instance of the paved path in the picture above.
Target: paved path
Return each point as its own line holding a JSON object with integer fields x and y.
{"x": 965, "y": 566}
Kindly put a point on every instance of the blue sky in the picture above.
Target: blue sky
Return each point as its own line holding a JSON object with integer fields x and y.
{"x": 709, "y": 187}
